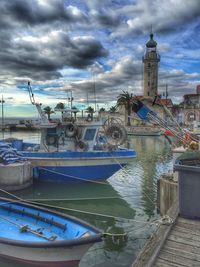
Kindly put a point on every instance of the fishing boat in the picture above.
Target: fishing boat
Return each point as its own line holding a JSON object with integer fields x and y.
{"x": 147, "y": 130}
{"x": 196, "y": 128}
{"x": 37, "y": 236}
{"x": 76, "y": 150}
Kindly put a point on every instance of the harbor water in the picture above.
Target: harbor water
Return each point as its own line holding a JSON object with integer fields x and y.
{"x": 126, "y": 204}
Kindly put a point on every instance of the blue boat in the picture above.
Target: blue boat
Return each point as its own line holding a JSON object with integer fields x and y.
{"x": 37, "y": 236}
{"x": 75, "y": 150}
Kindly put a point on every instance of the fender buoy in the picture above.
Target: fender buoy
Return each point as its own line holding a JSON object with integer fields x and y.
{"x": 82, "y": 145}
{"x": 51, "y": 140}
{"x": 71, "y": 130}
{"x": 116, "y": 134}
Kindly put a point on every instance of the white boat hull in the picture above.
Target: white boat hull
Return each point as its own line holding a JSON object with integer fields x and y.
{"x": 57, "y": 257}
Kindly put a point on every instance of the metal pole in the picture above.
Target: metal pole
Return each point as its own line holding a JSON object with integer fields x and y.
{"x": 71, "y": 99}
{"x": 2, "y": 101}
{"x": 95, "y": 99}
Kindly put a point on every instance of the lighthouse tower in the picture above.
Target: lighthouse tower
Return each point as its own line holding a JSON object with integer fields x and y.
{"x": 151, "y": 61}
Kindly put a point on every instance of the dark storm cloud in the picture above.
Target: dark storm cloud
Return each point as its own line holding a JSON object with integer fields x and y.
{"x": 34, "y": 12}
{"x": 84, "y": 50}
{"x": 164, "y": 16}
{"x": 36, "y": 57}
{"x": 25, "y": 57}
{"x": 106, "y": 19}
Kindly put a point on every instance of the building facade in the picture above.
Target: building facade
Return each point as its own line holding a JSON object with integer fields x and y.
{"x": 191, "y": 106}
{"x": 151, "y": 61}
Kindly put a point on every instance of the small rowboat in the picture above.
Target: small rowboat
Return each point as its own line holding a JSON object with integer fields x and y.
{"x": 40, "y": 237}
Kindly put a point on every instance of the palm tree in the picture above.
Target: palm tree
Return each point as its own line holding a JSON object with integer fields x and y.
{"x": 60, "y": 105}
{"x": 113, "y": 109}
{"x": 48, "y": 110}
{"x": 90, "y": 110}
{"x": 125, "y": 99}
{"x": 75, "y": 110}
{"x": 102, "y": 110}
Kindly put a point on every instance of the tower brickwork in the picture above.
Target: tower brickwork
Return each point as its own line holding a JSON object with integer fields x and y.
{"x": 151, "y": 61}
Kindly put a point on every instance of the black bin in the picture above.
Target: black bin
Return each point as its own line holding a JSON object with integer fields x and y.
{"x": 188, "y": 167}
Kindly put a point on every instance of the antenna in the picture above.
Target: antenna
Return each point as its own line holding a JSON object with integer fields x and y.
{"x": 31, "y": 95}
{"x": 166, "y": 91}
{"x": 95, "y": 99}
{"x": 43, "y": 117}
{"x": 151, "y": 30}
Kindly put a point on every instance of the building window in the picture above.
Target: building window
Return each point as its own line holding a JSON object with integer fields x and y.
{"x": 191, "y": 117}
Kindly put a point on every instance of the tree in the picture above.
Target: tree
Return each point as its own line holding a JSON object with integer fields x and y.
{"x": 90, "y": 110}
{"x": 125, "y": 99}
{"x": 60, "y": 105}
{"x": 102, "y": 110}
{"x": 113, "y": 109}
{"x": 75, "y": 110}
{"x": 48, "y": 110}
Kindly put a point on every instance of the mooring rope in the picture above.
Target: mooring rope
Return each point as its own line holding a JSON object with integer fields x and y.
{"x": 71, "y": 199}
{"x": 74, "y": 210}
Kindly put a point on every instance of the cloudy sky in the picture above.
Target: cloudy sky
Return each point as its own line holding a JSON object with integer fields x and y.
{"x": 93, "y": 49}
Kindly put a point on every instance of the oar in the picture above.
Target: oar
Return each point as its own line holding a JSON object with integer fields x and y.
{"x": 25, "y": 228}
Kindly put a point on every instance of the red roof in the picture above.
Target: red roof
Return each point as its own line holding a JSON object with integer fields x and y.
{"x": 165, "y": 102}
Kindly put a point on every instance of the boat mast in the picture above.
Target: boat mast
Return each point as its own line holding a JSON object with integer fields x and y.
{"x": 43, "y": 117}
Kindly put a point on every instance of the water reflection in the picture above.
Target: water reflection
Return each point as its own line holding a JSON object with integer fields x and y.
{"x": 152, "y": 153}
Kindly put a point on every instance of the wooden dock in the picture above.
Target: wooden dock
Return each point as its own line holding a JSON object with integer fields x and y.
{"x": 172, "y": 245}
{"x": 182, "y": 245}
{"x": 175, "y": 243}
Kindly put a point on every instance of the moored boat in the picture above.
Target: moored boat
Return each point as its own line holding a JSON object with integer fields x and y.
{"x": 15, "y": 171}
{"x": 40, "y": 237}
{"x": 72, "y": 150}
{"x": 143, "y": 130}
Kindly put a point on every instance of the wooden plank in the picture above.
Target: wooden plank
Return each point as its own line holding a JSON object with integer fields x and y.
{"x": 183, "y": 247}
{"x": 189, "y": 221}
{"x": 188, "y": 227}
{"x": 164, "y": 263}
{"x": 185, "y": 235}
{"x": 189, "y": 231}
{"x": 182, "y": 240}
{"x": 182, "y": 253}
{"x": 181, "y": 260}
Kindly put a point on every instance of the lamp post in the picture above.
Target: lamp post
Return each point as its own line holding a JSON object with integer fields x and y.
{"x": 2, "y": 101}
{"x": 70, "y": 99}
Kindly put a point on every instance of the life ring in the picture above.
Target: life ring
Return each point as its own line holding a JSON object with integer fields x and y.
{"x": 52, "y": 140}
{"x": 116, "y": 134}
{"x": 71, "y": 130}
